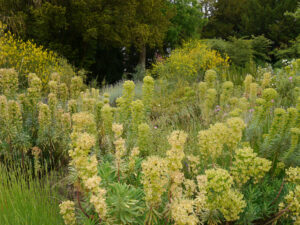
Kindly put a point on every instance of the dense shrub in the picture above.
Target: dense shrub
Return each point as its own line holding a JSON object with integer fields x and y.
{"x": 27, "y": 57}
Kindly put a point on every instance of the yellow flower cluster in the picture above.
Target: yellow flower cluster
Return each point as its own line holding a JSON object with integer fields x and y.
{"x": 76, "y": 86}
{"x": 202, "y": 87}
{"x": 182, "y": 212}
{"x": 187, "y": 62}
{"x": 144, "y": 138}
{"x": 154, "y": 179}
{"x": 211, "y": 141}
{"x": 247, "y": 82}
{"x": 27, "y": 57}
{"x": 124, "y": 102}
{"x": 34, "y": 90}
{"x": 9, "y": 82}
{"x": 174, "y": 158}
{"x": 247, "y": 165}
{"x": 14, "y": 119}
{"x": 292, "y": 202}
{"x": 137, "y": 115}
{"x": 210, "y": 78}
{"x": 148, "y": 91}
{"x": 67, "y": 210}
{"x": 119, "y": 145}
{"x": 83, "y": 122}
{"x": 253, "y": 92}
{"x": 193, "y": 164}
{"x": 293, "y": 175}
{"x": 85, "y": 165}
{"x": 209, "y": 102}
{"x": 266, "y": 82}
{"x": 44, "y": 119}
{"x": 107, "y": 118}
{"x": 221, "y": 195}
{"x": 227, "y": 90}
{"x": 132, "y": 158}
{"x": 235, "y": 131}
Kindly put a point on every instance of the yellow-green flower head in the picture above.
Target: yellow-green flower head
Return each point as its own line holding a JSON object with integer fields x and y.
{"x": 243, "y": 104}
{"x": 269, "y": 94}
{"x": 55, "y": 77}
{"x": 194, "y": 161}
{"x": 93, "y": 183}
{"x": 211, "y": 95}
{"x": 154, "y": 179}
{"x": 52, "y": 102}
{"x": 67, "y": 210}
{"x": 148, "y": 80}
{"x": 182, "y": 212}
{"x": 34, "y": 81}
{"x": 44, "y": 116}
{"x": 72, "y": 106}
{"x": 202, "y": 87}
{"x": 63, "y": 92}
{"x": 266, "y": 80}
{"x": 85, "y": 141}
{"x": 227, "y": 90}
{"x": 98, "y": 200}
{"x": 8, "y": 81}
{"x": 176, "y": 154}
{"x": 233, "y": 101}
{"x": 236, "y": 126}
{"x": 128, "y": 92}
{"x": 260, "y": 101}
{"x": 144, "y": 138}
{"x": 107, "y": 118}
{"x": 227, "y": 87}
{"x": 76, "y": 86}
{"x": 220, "y": 132}
{"x": 14, "y": 114}
{"x": 106, "y": 98}
{"x": 293, "y": 175}
{"x": 3, "y": 108}
{"x": 232, "y": 204}
{"x": 248, "y": 80}
{"x": 53, "y": 87}
{"x": 177, "y": 139}
{"x": 247, "y": 165}
{"x": 210, "y": 78}
{"x": 137, "y": 114}
{"x": 84, "y": 122}
{"x": 117, "y": 129}
{"x": 253, "y": 91}
{"x": 291, "y": 200}
{"x": 66, "y": 121}
{"x": 148, "y": 90}
{"x": 218, "y": 181}
{"x": 190, "y": 187}
{"x": 88, "y": 104}
{"x": 235, "y": 112}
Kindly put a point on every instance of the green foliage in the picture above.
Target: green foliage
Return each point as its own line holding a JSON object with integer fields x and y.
{"x": 187, "y": 22}
{"x": 125, "y": 204}
{"x": 26, "y": 199}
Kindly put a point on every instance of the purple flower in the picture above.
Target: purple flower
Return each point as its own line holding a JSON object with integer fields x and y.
{"x": 155, "y": 127}
{"x": 291, "y": 79}
{"x": 272, "y": 100}
{"x": 217, "y": 109}
{"x": 251, "y": 110}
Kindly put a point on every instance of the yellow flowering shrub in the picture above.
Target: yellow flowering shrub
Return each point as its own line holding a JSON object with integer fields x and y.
{"x": 27, "y": 57}
{"x": 189, "y": 62}
{"x": 67, "y": 210}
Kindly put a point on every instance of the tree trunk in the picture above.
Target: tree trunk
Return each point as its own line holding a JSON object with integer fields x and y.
{"x": 142, "y": 60}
